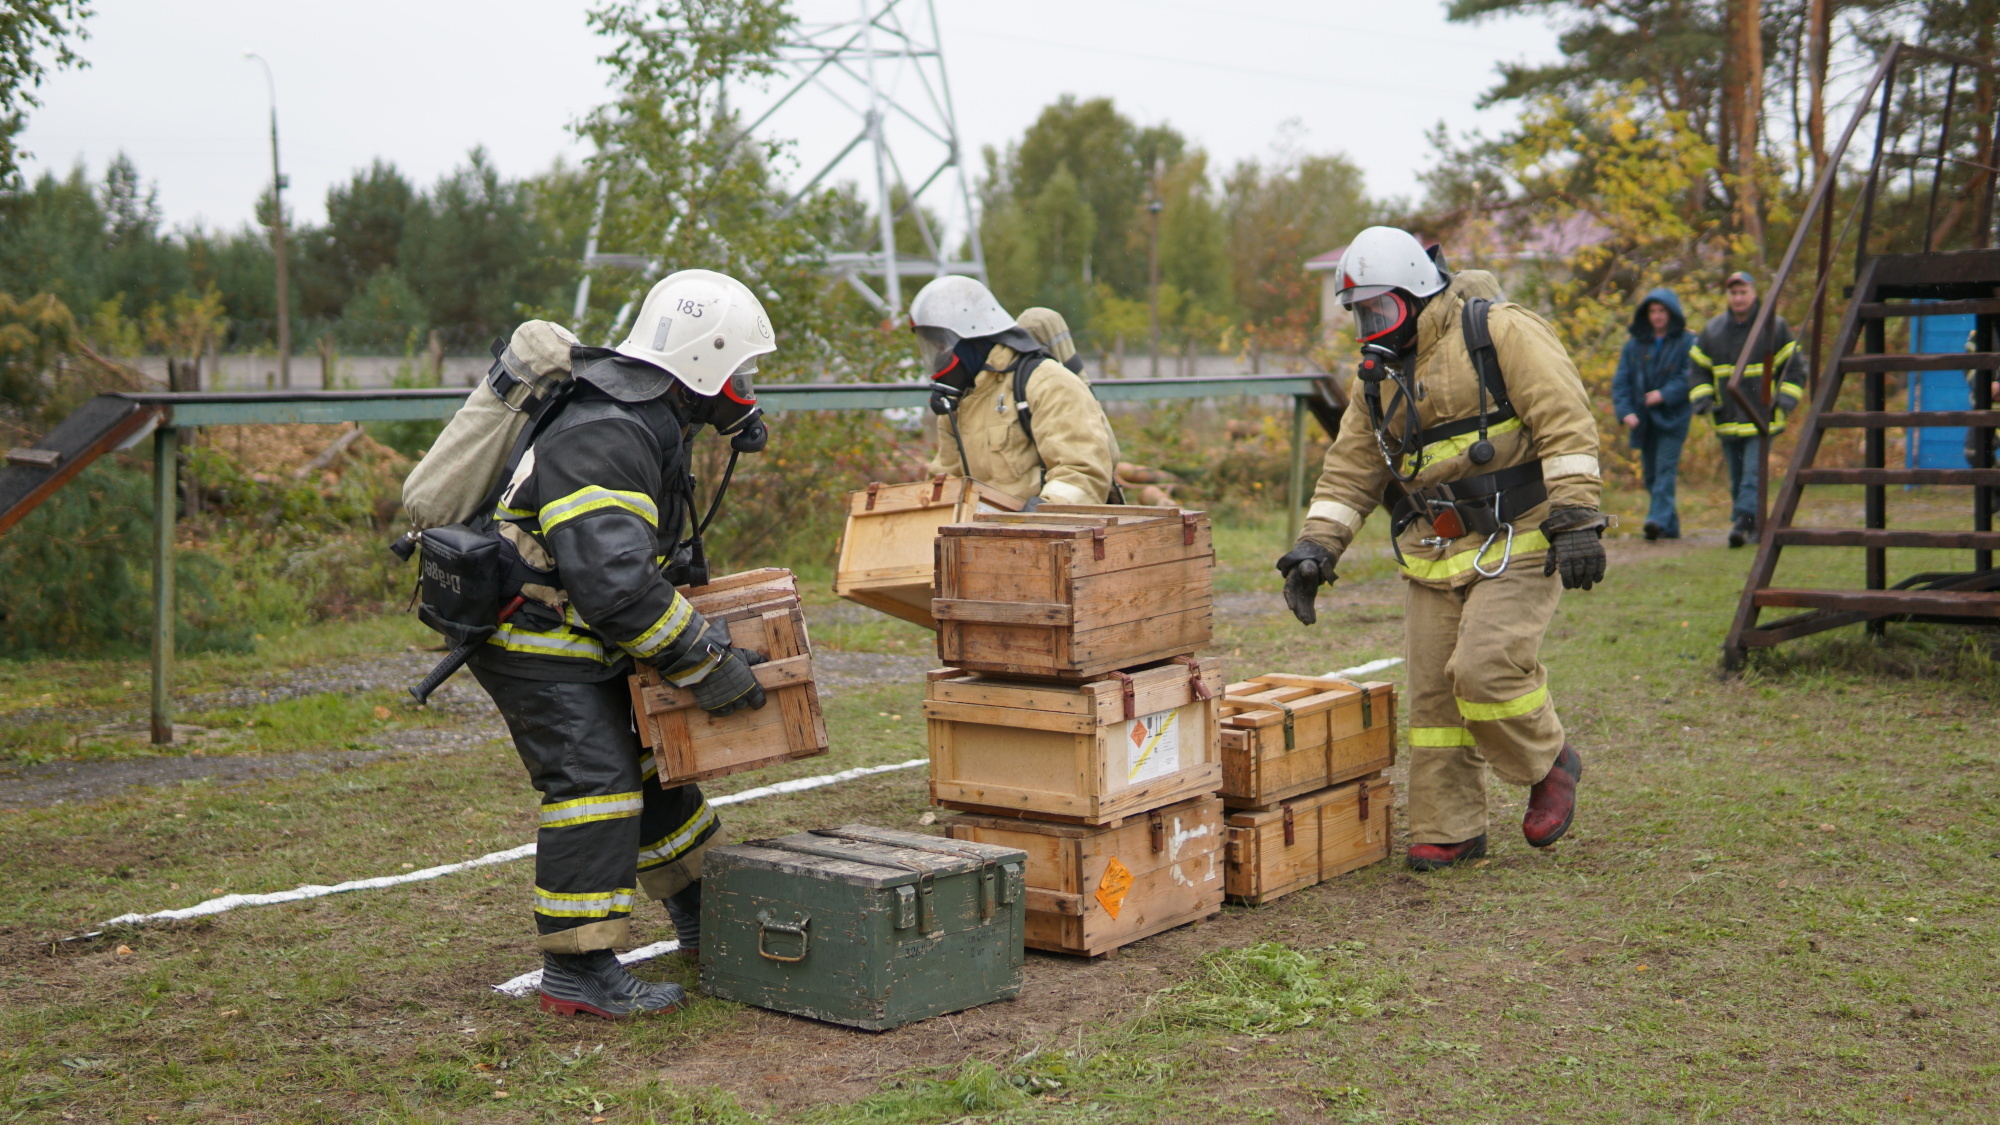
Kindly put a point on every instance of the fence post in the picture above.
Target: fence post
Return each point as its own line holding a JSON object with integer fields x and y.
{"x": 1295, "y": 484}
{"x": 166, "y": 497}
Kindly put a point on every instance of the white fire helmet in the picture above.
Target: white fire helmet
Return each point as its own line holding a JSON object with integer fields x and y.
{"x": 1380, "y": 265}
{"x": 702, "y": 327}
{"x": 954, "y": 308}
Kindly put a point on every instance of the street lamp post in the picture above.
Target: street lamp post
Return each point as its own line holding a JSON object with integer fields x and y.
{"x": 1153, "y": 283}
{"x": 278, "y": 231}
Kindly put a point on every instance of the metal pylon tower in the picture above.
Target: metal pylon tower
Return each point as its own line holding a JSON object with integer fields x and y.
{"x": 884, "y": 70}
{"x": 885, "y": 67}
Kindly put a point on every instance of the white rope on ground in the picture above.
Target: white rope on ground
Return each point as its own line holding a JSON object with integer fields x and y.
{"x": 528, "y": 982}
{"x": 1371, "y": 666}
{"x": 299, "y": 894}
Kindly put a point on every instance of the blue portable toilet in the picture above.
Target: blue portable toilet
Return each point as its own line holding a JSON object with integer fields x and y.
{"x": 1938, "y": 447}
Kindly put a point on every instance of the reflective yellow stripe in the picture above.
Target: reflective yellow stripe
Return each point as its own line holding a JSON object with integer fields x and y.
{"x": 555, "y": 642}
{"x": 1511, "y": 709}
{"x": 1436, "y": 570}
{"x": 503, "y": 512}
{"x": 1793, "y": 389}
{"x": 1439, "y": 737}
{"x": 666, "y": 630}
{"x": 696, "y": 674}
{"x": 589, "y": 904}
{"x": 592, "y": 498}
{"x": 583, "y": 810}
{"x": 1453, "y": 446}
{"x": 1749, "y": 429}
{"x": 676, "y": 845}
{"x": 1784, "y": 353}
{"x": 1696, "y": 355}
{"x": 1701, "y": 391}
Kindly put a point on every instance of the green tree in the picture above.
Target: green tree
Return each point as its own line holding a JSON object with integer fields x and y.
{"x": 1279, "y": 215}
{"x": 471, "y": 249}
{"x": 37, "y": 37}
{"x": 365, "y": 221}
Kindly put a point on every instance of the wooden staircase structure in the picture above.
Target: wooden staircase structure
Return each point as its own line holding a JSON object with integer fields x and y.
{"x": 1887, "y": 288}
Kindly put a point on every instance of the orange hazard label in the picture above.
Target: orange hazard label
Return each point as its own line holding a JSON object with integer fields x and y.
{"x": 1111, "y": 889}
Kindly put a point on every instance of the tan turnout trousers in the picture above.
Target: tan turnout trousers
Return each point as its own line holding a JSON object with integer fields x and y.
{"x": 1478, "y": 696}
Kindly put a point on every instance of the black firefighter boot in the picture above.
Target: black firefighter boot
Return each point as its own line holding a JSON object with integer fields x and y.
{"x": 684, "y": 907}
{"x": 596, "y": 984}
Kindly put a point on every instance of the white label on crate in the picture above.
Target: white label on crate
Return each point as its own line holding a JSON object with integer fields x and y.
{"x": 1156, "y": 745}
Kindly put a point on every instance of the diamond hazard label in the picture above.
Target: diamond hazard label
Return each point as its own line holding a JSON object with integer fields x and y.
{"x": 1111, "y": 889}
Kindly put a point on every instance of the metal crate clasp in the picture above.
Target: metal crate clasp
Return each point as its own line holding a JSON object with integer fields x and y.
{"x": 768, "y": 924}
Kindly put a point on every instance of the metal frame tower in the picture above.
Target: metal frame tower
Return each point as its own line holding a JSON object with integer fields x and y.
{"x": 885, "y": 67}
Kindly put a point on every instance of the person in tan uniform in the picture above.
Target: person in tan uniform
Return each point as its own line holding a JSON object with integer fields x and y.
{"x": 1474, "y": 429}
{"x": 1040, "y": 435}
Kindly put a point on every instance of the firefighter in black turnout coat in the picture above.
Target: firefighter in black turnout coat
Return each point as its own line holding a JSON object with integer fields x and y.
{"x": 599, "y": 511}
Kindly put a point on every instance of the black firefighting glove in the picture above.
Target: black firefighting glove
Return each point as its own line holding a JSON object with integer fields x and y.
{"x": 1306, "y": 567}
{"x": 731, "y": 685}
{"x": 1031, "y": 504}
{"x": 717, "y": 672}
{"x": 1575, "y": 546}
{"x": 1786, "y": 404}
{"x": 1705, "y": 405}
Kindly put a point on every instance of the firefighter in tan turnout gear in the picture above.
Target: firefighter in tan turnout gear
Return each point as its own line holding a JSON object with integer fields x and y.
{"x": 1011, "y": 413}
{"x": 1473, "y": 429}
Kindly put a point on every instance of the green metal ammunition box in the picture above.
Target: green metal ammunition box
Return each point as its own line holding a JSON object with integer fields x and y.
{"x": 868, "y": 927}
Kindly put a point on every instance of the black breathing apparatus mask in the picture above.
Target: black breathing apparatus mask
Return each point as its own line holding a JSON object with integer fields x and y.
{"x": 732, "y": 411}
{"x": 954, "y": 362}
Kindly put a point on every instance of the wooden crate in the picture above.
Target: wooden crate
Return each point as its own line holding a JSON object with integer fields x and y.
{"x": 1085, "y": 753}
{"x": 1094, "y": 889}
{"x": 1308, "y": 840}
{"x": 888, "y": 556}
{"x": 1073, "y": 591}
{"x": 761, "y": 608}
{"x": 1283, "y": 735}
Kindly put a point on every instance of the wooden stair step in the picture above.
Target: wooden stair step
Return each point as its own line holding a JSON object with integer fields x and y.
{"x": 1988, "y": 477}
{"x": 1958, "y": 602}
{"x": 1860, "y": 537}
{"x": 1899, "y": 419}
{"x": 1883, "y": 310}
{"x": 1937, "y": 361}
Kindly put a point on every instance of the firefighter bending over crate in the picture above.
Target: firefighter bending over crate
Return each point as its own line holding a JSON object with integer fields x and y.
{"x": 1474, "y": 430}
{"x": 1012, "y": 411}
{"x": 603, "y": 492}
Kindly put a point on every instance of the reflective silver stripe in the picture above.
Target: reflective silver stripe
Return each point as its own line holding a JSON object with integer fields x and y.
{"x": 664, "y": 631}
{"x": 590, "y": 904}
{"x": 555, "y": 643}
{"x": 698, "y": 673}
{"x": 1570, "y": 465}
{"x": 1345, "y": 515}
{"x": 672, "y": 847}
{"x": 582, "y": 810}
{"x": 1062, "y": 492}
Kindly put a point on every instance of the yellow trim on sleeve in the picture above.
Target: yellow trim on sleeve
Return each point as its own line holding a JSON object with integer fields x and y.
{"x": 1511, "y": 709}
{"x": 594, "y": 498}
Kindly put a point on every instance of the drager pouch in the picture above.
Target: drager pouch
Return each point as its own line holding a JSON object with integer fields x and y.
{"x": 458, "y": 586}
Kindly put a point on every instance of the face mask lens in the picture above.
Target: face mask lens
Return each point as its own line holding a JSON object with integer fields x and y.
{"x": 1377, "y": 317}
{"x": 935, "y": 344}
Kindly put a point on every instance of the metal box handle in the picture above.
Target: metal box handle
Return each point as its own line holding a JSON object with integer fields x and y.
{"x": 767, "y": 924}
{"x": 1013, "y": 882}
{"x": 906, "y": 907}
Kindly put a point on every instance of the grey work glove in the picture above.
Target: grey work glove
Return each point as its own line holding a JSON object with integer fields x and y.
{"x": 1575, "y": 546}
{"x": 731, "y": 685}
{"x": 1306, "y": 567}
{"x": 1032, "y": 503}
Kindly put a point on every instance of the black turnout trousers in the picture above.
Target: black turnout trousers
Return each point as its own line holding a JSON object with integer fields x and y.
{"x": 608, "y": 831}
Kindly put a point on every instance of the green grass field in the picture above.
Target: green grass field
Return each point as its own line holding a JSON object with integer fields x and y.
{"x": 1781, "y": 903}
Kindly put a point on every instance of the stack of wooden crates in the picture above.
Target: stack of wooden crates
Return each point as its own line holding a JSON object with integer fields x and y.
{"x": 1302, "y": 777}
{"x": 1074, "y": 720}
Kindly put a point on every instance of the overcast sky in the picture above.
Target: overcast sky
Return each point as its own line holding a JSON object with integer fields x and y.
{"x": 420, "y": 82}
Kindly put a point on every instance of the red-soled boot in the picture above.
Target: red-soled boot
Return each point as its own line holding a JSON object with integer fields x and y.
{"x": 1430, "y": 857}
{"x": 1552, "y": 802}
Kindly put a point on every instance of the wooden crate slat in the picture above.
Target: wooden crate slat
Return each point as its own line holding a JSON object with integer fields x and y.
{"x": 887, "y": 556}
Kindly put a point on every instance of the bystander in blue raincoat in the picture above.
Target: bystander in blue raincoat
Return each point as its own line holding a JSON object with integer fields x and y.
{"x": 1650, "y": 396}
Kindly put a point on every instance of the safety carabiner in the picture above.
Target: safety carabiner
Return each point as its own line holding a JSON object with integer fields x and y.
{"x": 1506, "y": 555}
